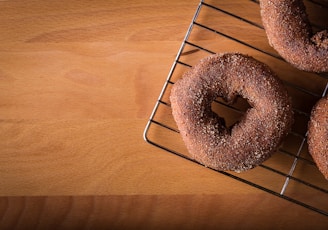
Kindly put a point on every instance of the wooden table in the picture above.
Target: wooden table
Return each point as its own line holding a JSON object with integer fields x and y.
{"x": 78, "y": 82}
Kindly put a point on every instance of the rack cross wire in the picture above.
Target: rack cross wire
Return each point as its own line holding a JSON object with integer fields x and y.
{"x": 290, "y": 173}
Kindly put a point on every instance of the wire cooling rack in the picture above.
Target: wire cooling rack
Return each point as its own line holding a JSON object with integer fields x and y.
{"x": 224, "y": 26}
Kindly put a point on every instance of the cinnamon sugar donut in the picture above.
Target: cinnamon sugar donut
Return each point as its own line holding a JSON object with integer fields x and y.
{"x": 289, "y": 32}
{"x": 262, "y": 128}
{"x": 318, "y": 135}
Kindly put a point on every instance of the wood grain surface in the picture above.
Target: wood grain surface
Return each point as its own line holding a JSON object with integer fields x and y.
{"x": 78, "y": 82}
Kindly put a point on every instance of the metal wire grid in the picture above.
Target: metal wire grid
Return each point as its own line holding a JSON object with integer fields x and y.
{"x": 291, "y": 170}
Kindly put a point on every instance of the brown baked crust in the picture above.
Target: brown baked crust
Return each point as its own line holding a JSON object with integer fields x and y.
{"x": 256, "y": 136}
{"x": 289, "y": 32}
{"x": 318, "y": 135}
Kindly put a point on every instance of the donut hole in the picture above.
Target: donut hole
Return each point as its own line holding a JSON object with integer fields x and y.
{"x": 233, "y": 112}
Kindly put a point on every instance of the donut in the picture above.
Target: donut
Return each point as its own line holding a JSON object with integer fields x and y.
{"x": 289, "y": 32}
{"x": 261, "y": 129}
{"x": 318, "y": 135}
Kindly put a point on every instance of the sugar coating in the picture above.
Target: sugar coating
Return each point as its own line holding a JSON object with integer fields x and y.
{"x": 318, "y": 135}
{"x": 251, "y": 141}
{"x": 289, "y": 32}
